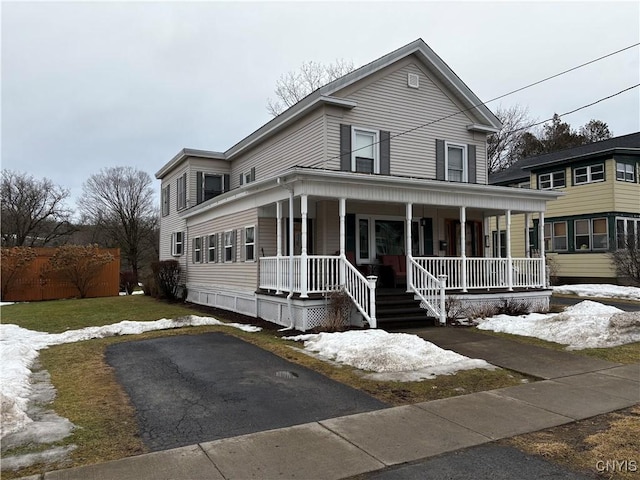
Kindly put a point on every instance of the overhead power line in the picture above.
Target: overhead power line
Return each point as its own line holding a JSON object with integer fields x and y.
{"x": 546, "y": 79}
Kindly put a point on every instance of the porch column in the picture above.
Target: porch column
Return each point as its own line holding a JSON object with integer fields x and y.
{"x": 408, "y": 247}
{"x": 509, "y": 259}
{"x": 527, "y": 242}
{"x": 343, "y": 213}
{"x": 463, "y": 247}
{"x": 543, "y": 267}
{"x": 304, "y": 278}
{"x": 278, "y": 247}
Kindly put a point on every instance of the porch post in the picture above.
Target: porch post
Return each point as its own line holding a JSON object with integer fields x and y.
{"x": 304, "y": 277}
{"x": 527, "y": 242}
{"x": 408, "y": 247}
{"x": 543, "y": 267}
{"x": 342, "y": 212}
{"x": 463, "y": 247}
{"x": 509, "y": 259}
{"x": 498, "y": 240}
{"x": 278, "y": 247}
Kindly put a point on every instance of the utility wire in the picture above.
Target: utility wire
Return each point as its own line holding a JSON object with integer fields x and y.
{"x": 505, "y": 95}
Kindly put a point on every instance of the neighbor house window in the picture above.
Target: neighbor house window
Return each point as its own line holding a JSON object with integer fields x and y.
{"x": 177, "y": 242}
{"x": 627, "y": 232}
{"x": 197, "y": 250}
{"x": 181, "y": 191}
{"x": 547, "y": 181}
{"x": 592, "y": 173}
{"x": 456, "y": 162}
{"x": 555, "y": 236}
{"x": 591, "y": 234}
{"x": 228, "y": 246}
{"x": 212, "y": 244}
{"x": 625, "y": 172}
{"x": 364, "y": 157}
{"x": 165, "y": 201}
{"x": 249, "y": 244}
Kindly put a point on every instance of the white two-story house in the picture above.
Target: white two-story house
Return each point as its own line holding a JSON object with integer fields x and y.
{"x": 376, "y": 181}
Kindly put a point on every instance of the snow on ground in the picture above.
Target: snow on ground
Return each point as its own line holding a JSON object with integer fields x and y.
{"x": 599, "y": 290}
{"x": 587, "y": 324}
{"x": 2, "y": 304}
{"x": 389, "y": 356}
{"x": 19, "y": 349}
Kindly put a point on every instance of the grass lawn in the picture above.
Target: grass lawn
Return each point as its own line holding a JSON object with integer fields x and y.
{"x": 90, "y": 397}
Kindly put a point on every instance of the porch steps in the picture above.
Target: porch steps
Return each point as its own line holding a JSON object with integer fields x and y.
{"x": 395, "y": 308}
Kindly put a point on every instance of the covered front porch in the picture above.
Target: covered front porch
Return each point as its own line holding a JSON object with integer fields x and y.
{"x": 347, "y": 234}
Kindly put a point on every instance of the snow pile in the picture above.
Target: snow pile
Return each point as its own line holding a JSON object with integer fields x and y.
{"x": 19, "y": 348}
{"x": 390, "y": 356}
{"x": 587, "y": 324}
{"x": 599, "y": 290}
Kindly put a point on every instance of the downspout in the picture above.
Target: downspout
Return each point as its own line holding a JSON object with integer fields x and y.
{"x": 290, "y": 295}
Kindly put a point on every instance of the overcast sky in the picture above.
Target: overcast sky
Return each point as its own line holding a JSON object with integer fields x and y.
{"x": 93, "y": 85}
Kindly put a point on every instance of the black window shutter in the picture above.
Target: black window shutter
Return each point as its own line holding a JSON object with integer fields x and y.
{"x": 471, "y": 152}
{"x": 193, "y": 250}
{"x": 227, "y": 182}
{"x": 234, "y": 241}
{"x": 345, "y": 147}
{"x": 199, "y": 194}
{"x": 440, "y": 167}
{"x": 385, "y": 152}
{"x": 253, "y": 174}
{"x": 241, "y": 179}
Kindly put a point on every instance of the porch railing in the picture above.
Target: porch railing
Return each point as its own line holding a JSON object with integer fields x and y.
{"x": 429, "y": 289}
{"x": 486, "y": 272}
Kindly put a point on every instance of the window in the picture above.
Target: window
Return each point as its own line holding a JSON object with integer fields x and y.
{"x": 625, "y": 172}
{"x": 592, "y": 173}
{"x": 384, "y": 236}
{"x": 165, "y": 201}
{"x": 555, "y": 236}
{"x": 456, "y": 162}
{"x": 547, "y": 181}
{"x": 228, "y": 246}
{"x": 197, "y": 250}
{"x": 249, "y": 244}
{"x": 524, "y": 185}
{"x": 364, "y": 157}
{"x": 212, "y": 244}
{"x": 181, "y": 191}
{"x": 176, "y": 243}
{"x": 591, "y": 234}
{"x": 210, "y": 185}
{"x": 627, "y": 232}
{"x": 248, "y": 177}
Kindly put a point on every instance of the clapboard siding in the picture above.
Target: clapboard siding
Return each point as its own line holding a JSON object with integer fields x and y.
{"x": 205, "y": 165}
{"x": 387, "y": 103}
{"x": 590, "y": 265}
{"x": 238, "y": 274}
{"x": 172, "y": 222}
{"x": 302, "y": 144}
{"x": 626, "y": 195}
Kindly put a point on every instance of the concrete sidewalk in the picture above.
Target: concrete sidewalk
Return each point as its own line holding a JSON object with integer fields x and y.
{"x": 355, "y": 444}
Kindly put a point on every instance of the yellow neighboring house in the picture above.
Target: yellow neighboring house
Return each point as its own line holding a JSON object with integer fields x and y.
{"x": 600, "y": 206}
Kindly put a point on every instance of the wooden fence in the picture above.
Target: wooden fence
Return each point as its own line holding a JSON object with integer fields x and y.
{"x": 30, "y": 286}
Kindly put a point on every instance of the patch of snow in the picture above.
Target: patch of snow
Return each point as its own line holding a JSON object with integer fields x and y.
{"x": 2, "y": 304}
{"x": 52, "y": 455}
{"x": 388, "y": 356}
{"x": 599, "y": 290}
{"x": 587, "y": 324}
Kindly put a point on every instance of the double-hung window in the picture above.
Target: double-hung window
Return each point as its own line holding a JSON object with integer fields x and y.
{"x": 165, "y": 200}
{"x": 228, "y": 245}
{"x": 365, "y": 156}
{"x": 181, "y": 191}
{"x": 249, "y": 244}
{"x": 197, "y": 250}
{"x": 589, "y": 174}
{"x": 212, "y": 250}
{"x": 456, "y": 162}
{"x": 591, "y": 234}
{"x": 625, "y": 172}
{"x": 177, "y": 242}
{"x": 555, "y": 236}
{"x": 547, "y": 181}
{"x": 212, "y": 186}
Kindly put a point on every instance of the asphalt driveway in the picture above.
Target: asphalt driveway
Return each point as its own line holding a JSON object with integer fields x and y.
{"x": 196, "y": 388}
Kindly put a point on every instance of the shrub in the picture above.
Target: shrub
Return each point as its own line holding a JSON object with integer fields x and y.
{"x": 78, "y": 264}
{"x": 167, "y": 278}
{"x": 14, "y": 261}
{"x": 513, "y": 307}
{"x": 454, "y": 309}
{"x": 128, "y": 281}
{"x": 482, "y": 310}
{"x": 150, "y": 287}
{"x": 338, "y": 310}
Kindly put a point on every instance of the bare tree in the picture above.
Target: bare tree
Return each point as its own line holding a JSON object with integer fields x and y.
{"x": 293, "y": 86}
{"x": 14, "y": 261}
{"x": 627, "y": 259}
{"x": 119, "y": 201}
{"x": 502, "y": 147}
{"x": 33, "y": 211}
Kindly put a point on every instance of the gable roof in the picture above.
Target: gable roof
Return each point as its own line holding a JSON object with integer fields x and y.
{"x": 519, "y": 171}
{"x": 325, "y": 96}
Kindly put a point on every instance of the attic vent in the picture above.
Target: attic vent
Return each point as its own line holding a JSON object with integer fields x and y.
{"x": 413, "y": 80}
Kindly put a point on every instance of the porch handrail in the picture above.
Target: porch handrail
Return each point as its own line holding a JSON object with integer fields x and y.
{"x": 429, "y": 289}
{"x": 361, "y": 290}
